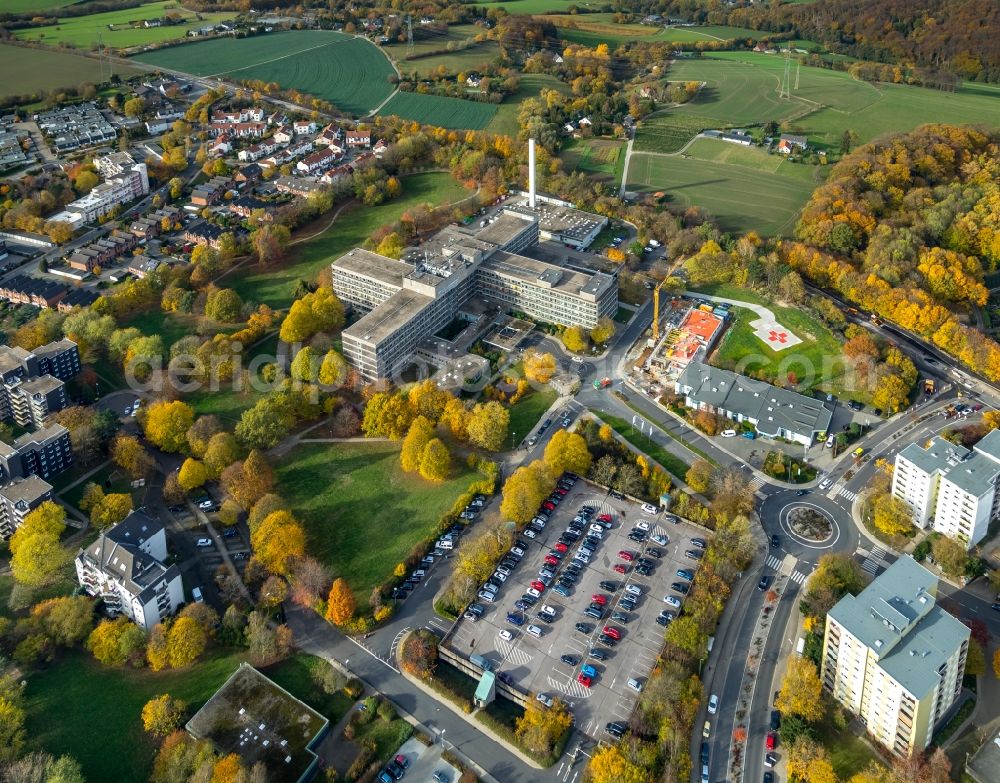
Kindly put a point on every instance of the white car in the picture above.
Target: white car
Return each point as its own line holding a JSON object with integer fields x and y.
{"x": 533, "y": 592}
{"x": 659, "y": 539}
{"x": 825, "y": 483}
{"x": 634, "y": 684}
{"x": 673, "y": 601}
{"x": 535, "y": 630}
{"x": 487, "y": 597}
{"x": 207, "y": 505}
{"x": 599, "y": 529}
{"x": 642, "y": 525}
{"x": 728, "y": 433}
{"x": 500, "y": 570}
{"x": 505, "y": 635}
{"x": 713, "y": 704}
{"x": 529, "y": 533}
{"x": 544, "y": 699}
{"x": 633, "y": 589}
{"x": 649, "y": 508}
{"x": 577, "y": 359}
{"x": 583, "y": 557}
{"x": 499, "y": 577}
{"x": 517, "y": 551}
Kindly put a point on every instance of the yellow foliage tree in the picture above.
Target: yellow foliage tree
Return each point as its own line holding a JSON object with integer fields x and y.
{"x": 567, "y": 451}
{"x": 162, "y": 714}
{"x": 801, "y": 691}
{"x": 166, "y": 424}
{"x": 487, "y": 425}
{"x": 278, "y": 542}
{"x": 340, "y": 603}
{"x": 524, "y": 491}
{"x": 892, "y": 516}
{"x": 185, "y": 642}
{"x": 541, "y": 727}
{"x": 419, "y": 435}
{"x": 609, "y": 765}
{"x": 36, "y": 552}
{"x": 157, "y": 652}
{"x": 575, "y": 339}
{"x": 699, "y": 475}
{"x": 435, "y": 462}
{"x": 539, "y": 367}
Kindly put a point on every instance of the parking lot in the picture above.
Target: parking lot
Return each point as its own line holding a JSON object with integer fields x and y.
{"x": 536, "y": 664}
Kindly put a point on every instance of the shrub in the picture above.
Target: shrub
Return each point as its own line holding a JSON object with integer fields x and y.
{"x": 354, "y": 688}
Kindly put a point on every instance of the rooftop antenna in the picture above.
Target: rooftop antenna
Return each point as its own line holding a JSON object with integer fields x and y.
{"x": 409, "y": 35}
{"x": 785, "y": 89}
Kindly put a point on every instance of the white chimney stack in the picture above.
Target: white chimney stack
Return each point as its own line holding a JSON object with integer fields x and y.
{"x": 531, "y": 173}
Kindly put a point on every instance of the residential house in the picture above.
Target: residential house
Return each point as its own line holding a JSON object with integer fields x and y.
{"x": 237, "y": 116}
{"x": 283, "y": 135}
{"x": 204, "y": 234}
{"x": 244, "y": 206}
{"x": 221, "y": 146}
{"x": 297, "y": 186}
{"x": 317, "y": 162}
{"x": 23, "y": 289}
{"x": 379, "y": 148}
{"x": 211, "y": 192}
{"x": 358, "y": 139}
{"x": 789, "y": 143}
{"x": 249, "y": 174}
{"x": 302, "y": 127}
{"x": 126, "y": 567}
{"x": 44, "y": 453}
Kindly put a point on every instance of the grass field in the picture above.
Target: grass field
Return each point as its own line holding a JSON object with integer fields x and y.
{"x": 526, "y": 412}
{"x": 670, "y": 462}
{"x": 817, "y": 361}
{"x": 27, "y": 6}
{"x": 352, "y": 228}
{"x": 603, "y": 159}
{"x": 82, "y": 31}
{"x": 670, "y": 131}
{"x": 540, "y": 6}
{"x": 475, "y": 58}
{"x": 439, "y": 110}
{"x": 434, "y": 41}
{"x": 348, "y": 72}
{"x": 361, "y": 512}
{"x": 593, "y": 29}
{"x": 531, "y": 85}
{"x": 85, "y": 694}
{"x": 740, "y": 196}
{"x": 32, "y": 70}
{"x": 226, "y": 402}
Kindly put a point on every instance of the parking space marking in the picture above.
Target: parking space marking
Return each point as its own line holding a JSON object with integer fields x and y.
{"x": 513, "y": 653}
{"x": 571, "y": 688}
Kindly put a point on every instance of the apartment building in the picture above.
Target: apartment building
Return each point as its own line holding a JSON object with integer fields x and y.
{"x": 126, "y": 568}
{"x": 121, "y": 187}
{"x": 894, "y": 658}
{"x": 31, "y": 383}
{"x": 44, "y": 453}
{"x": 407, "y": 302}
{"x": 18, "y": 499}
{"x": 951, "y": 489}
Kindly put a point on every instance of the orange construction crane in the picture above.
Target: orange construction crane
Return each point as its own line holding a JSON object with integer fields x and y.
{"x": 656, "y": 310}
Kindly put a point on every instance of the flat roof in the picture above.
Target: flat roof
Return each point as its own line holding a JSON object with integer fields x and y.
{"x": 700, "y": 323}
{"x": 377, "y": 267}
{"x": 559, "y": 219}
{"x": 975, "y": 475}
{"x": 505, "y": 227}
{"x": 557, "y": 278}
{"x": 385, "y": 320}
{"x": 937, "y": 455}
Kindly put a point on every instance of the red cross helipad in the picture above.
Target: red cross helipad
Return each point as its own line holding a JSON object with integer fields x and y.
{"x": 777, "y": 337}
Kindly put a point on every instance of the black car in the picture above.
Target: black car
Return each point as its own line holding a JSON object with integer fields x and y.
{"x": 775, "y": 720}
{"x": 704, "y": 753}
{"x": 775, "y": 541}
{"x": 616, "y": 494}
{"x": 662, "y": 620}
{"x": 616, "y": 729}
{"x": 530, "y": 600}
{"x": 399, "y": 593}
{"x": 622, "y": 617}
{"x": 680, "y": 587}
{"x": 644, "y": 570}
{"x": 609, "y": 585}
{"x": 395, "y": 770}
{"x": 569, "y": 660}
{"x": 598, "y": 654}
{"x": 995, "y": 607}
{"x": 584, "y": 510}
{"x": 699, "y": 543}
{"x": 768, "y": 777}
{"x": 637, "y": 536}
{"x": 645, "y": 561}
{"x": 854, "y": 405}
{"x": 607, "y": 640}
{"x": 801, "y": 492}
{"x": 584, "y": 627}
{"x": 627, "y": 604}
{"x": 764, "y": 582}
{"x": 694, "y": 554}
{"x": 652, "y": 551}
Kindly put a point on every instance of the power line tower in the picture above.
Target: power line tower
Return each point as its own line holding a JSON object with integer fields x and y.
{"x": 409, "y": 35}
{"x": 785, "y": 79}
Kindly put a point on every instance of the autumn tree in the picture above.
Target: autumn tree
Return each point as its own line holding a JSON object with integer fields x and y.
{"x": 278, "y": 542}
{"x": 429, "y": 400}
{"x": 108, "y": 509}
{"x": 129, "y": 454}
{"x": 610, "y": 765}
{"x": 249, "y": 480}
{"x": 801, "y": 691}
{"x": 539, "y": 367}
{"x": 186, "y": 641}
{"x": 157, "y": 650}
{"x": 575, "y": 339}
{"x": 117, "y": 642}
{"x": 200, "y": 433}
{"x": 387, "y": 415}
{"x": 193, "y": 474}
{"x": 319, "y": 311}
{"x": 66, "y": 620}
{"x": 333, "y": 370}
{"x": 37, "y": 555}
{"x": 487, "y": 425}
{"x": 435, "y": 461}
{"x": 269, "y": 241}
{"x": 165, "y": 424}
{"x": 685, "y": 634}
{"x": 163, "y": 714}
{"x": 455, "y": 418}
{"x": 891, "y": 392}
{"x": 699, "y": 475}
{"x": 567, "y": 451}
{"x": 266, "y": 642}
{"x": 950, "y": 555}
{"x": 540, "y": 728}
{"x": 525, "y": 490}
{"x": 996, "y": 663}
{"x": 340, "y": 604}
{"x": 808, "y": 760}
{"x": 419, "y": 435}
{"x": 221, "y": 452}
{"x": 892, "y": 516}
{"x": 604, "y": 330}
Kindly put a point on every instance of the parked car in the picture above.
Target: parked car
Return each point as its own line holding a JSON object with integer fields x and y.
{"x": 713, "y": 704}
{"x": 535, "y": 630}
{"x": 649, "y": 508}
{"x": 627, "y": 556}
{"x": 505, "y": 635}
{"x": 609, "y": 585}
{"x": 659, "y": 539}
{"x": 598, "y": 654}
{"x": 544, "y": 698}
{"x": 633, "y": 589}
{"x": 584, "y": 627}
{"x": 616, "y": 729}
{"x": 634, "y": 684}
{"x": 772, "y": 740}
{"x": 515, "y": 618}
{"x": 685, "y": 574}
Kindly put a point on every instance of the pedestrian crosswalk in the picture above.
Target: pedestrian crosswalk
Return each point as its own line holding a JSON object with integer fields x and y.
{"x": 873, "y": 560}
{"x": 756, "y": 482}
{"x": 774, "y": 562}
{"x": 798, "y": 577}
{"x": 846, "y": 493}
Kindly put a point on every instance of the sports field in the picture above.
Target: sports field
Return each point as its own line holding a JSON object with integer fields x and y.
{"x": 602, "y": 159}
{"x": 349, "y": 72}
{"x": 115, "y": 30}
{"x": 440, "y": 111}
{"x": 28, "y": 71}
{"x": 743, "y": 188}
{"x": 531, "y": 86}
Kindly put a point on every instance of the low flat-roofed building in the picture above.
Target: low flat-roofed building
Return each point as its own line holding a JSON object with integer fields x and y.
{"x": 984, "y": 765}
{"x": 561, "y": 222}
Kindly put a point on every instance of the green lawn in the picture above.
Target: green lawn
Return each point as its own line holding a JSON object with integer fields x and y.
{"x": 530, "y": 86}
{"x": 594, "y": 29}
{"x": 83, "y": 31}
{"x": 349, "y": 72}
{"x": 170, "y": 326}
{"x": 602, "y": 159}
{"x": 440, "y": 111}
{"x": 362, "y": 513}
{"x": 670, "y": 462}
{"x": 28, "y": 6}
{"x": 435, "y": 41}
{"x": 526, "y": 412}
{"x": 351, "y": 229}
{"x": 227, "y": 402}
{"x": 817, "y": 361}
{"x": 84, "y": 695}
{"x": 474, "y": 57}
{"x": 119, "y": 482}
{"x": 740, "y": 197}
{"x": 33, "y": 70}
{"x": 849, "y": 754}
{"x": 540, "y": 6}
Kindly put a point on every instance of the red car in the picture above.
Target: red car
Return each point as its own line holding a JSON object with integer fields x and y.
{"x": 552, "y": 561}
{"x": 561, "y": 492}
{"x": 539, "y": 586}
{"x": 549, "y": 505}
{"x": 597, "y": 598}
{"x": 772, "y": 740}
{"x": 605, "y": 517}
{"x": 977, "y": 407}
{"x": 621, "y": 568}
{"x": 561, "y": 547}
{"x": 627, "y": 556}
{"x": 613, "y": 632}
{"x": 584, "y": 680}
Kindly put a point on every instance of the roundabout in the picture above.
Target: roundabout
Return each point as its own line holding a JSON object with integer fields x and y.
{"x": 809, "y": 525}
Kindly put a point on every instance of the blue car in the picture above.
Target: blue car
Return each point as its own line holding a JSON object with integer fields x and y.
{"x": 588, "y": 670}
{"x": 686, "y": 574}
{"x": 562, "y": 590}
{"x": 515, "y": 618}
